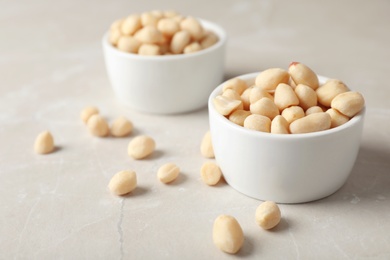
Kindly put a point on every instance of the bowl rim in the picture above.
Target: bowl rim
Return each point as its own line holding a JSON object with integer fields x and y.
{"x": 257, "y": 134}
{"x": 208, "y": 25}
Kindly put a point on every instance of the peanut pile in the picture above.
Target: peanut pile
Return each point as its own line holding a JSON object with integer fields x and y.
{"x": 160, "y": 33}
{"x": 288, "y": 102}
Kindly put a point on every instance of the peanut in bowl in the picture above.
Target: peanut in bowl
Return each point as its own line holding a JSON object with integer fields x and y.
{"x": 285, "y": 168}
{"x": 166, "y": 84}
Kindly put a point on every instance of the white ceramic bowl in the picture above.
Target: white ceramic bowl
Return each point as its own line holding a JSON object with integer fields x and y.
{"x": 166, "y": 84}
{"x": 291, "y": 168}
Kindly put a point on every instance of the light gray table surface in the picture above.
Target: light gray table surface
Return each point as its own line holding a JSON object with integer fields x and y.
{"x": 58, "y": 207}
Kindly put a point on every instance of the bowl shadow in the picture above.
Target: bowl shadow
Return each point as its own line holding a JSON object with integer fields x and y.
{"x": 369, "y": 178}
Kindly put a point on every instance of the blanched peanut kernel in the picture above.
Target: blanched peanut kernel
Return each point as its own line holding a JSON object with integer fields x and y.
{"x": 258, "y": 123}
{"x": 301, "y": 74}
{"x": 131, "y": 24}
{"x": 168, "y": 173}
{"x": 232, "y": 94}
{"x": 268, "y": 215}
{"x": 348, "y": 103}
{"x": 149, "y": 18}
{"x": 306, "y": 95}
{"x": 269, "y": 79}
{"x": 245, "y": 97}
{"x": 141, "y": 147}
{"x": 192, "y": 47}
{"x": 225, "y": 105}
{"x": 293, "y": 113}
{"x": 98, "y": 126}
{"x": 123, "y": 182}
{"x": 121, "y": 127}
{"x": 327, "y": 92}
{"x": 44, "y": 143}
{"x": 206, "y": 146}
{"x": 208, "y": 40}
{"x": 116, "y": 25}
{"x": 168, "y": 27}
{"x": 285, "y": 96}
{"x": 87, "y": 112}
{"x": 311, "y": 123}
{"x": 336, "y": 117}
{"x": 128, "y": 44}
{"x": 259, "y": 93}
{"x": 114, "y": 36}
{"x": 149, "y": 34}
{"x": 193, "y": 26}
{"x": 210, "y": 173}
{"x": 238, "y": 116}
{"x": 147, "y": 49}
{"x": 179, "y": 41}
{"x": 236, "y": 84}
{"x": 265, "y": 107}
{"x": 227, "y": 234}
{"x": 312, "y": 110}
{"x": 279, "y": 125}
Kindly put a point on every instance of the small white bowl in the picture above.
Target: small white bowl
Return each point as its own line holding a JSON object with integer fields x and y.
{"x": 292, "y": 168}
{"x": 166, "y": 84}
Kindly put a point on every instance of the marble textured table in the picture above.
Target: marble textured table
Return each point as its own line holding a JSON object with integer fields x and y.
{"x": 58, "y": 207}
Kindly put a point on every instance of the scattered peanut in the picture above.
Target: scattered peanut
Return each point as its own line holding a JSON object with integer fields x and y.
{"x": 123, "y": 182}
{"x": 210, "y": 173}
{"x": 121, "y": 127}
{"x": 168, "y": 173}
{"x": 227, "y": 234}
{"x": 206, "y": 146}
{"x": 44, "y": 143}
{"x": 169, "y": 32}
{"x": 141, "y": 147}
{"x": 268, "y": 215}
{"x": 87, "y": 112}
{"x": 98, "y": 126}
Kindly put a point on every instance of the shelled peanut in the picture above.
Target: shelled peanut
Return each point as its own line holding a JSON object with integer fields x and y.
{"x": 288, "y": 101}
{"x": 160, "y": 33}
